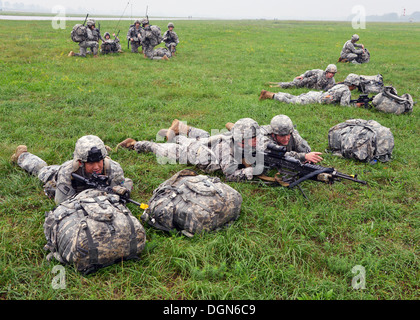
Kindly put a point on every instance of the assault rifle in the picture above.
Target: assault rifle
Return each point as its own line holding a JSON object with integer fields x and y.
{"x": 363, "y": 98}
{"x": 291, "y": 172}
{"x": 86, "y": 19}
{"x": 100, "y": 182}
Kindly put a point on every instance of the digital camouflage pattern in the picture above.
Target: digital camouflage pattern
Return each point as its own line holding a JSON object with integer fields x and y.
{"x": 170, "y": 38}
{"x": 210, "y": 154}
{"x": 135, "y": 34}
{"x": 93, "y": 230}
{"x": 297, "y": 146}
{"x": 57, "y": 180}
{"x": 349, "y": 51}
{"x": 367, "y": 84}
{"x": 390, "y": 102}
{"x": 339, "y": 94}
{"x": 193, "y": 203}
{"x": 110, "y": 45}
{"x": 313, "y": 79}
{"x": 363, "y": 140}
{"x": 151, "y": 37}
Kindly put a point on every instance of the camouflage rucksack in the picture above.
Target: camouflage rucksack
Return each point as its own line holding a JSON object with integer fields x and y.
{"x": 154, "y": 35}
{"x": 368, "y": 84}
{"x": 93, "y": 230}
{"x": 364, "y": 57}
{"x": 79, "y": 33}
{"x": 388, "y": 101}
{"x": 192, "y": 203}
{"x": 363, "y": 140}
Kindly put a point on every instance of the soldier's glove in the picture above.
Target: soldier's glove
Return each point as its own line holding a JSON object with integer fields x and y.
{"x": 121, "y": 191}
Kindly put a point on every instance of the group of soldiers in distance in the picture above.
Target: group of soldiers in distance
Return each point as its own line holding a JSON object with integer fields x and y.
{"x": 140, "y": 35}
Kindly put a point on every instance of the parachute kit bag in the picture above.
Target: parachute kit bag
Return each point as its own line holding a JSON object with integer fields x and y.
{"x": 388, "y": 101}
{"x": 363, "y": 140}
{"x": 93, "y": 230}
{"x": 192, "y": 203}
{"x": 79, "y": 33}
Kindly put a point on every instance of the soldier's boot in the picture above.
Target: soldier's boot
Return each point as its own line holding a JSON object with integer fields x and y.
{"x": 19, "y": 150}
{"x": 163, "y": 132}
{"x": 71, "y": 53}
{"x": 177, "y": 127}
{"x": 266, "y": 95}
{"x": 165, "y": 57}
{"x": 127, "y": 143}
{"x": 229, "y": 125}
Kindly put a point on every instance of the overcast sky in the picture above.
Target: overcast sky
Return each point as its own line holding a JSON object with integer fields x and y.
{"x": 234, "y": 9}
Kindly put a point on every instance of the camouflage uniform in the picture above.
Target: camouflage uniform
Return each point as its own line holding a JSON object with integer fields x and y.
{"x": 171, "y": 39}
{"x": 340, "y": 93}
{"x": 150, "y": 38}
{"x": 211, "y": 153}
{"x": 92, "y": 40}
{"x": 313, "y": 79}
{"x": 349, "y": 51}
{"x": 109, "y": 45}
{"x": 57, "y": 179}
{"x": 135, "y": 34}
{"x": 297, "y": 146}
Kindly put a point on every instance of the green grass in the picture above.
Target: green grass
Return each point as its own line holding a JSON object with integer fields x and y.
{"x": 282, "y": 246}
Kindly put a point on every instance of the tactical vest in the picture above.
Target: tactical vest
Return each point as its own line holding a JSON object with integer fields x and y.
{"x": 363, "y": 140}
{"x": 192, "y": 203}
{"x": 92, "y": 230}
{"x": 388, "y": 101}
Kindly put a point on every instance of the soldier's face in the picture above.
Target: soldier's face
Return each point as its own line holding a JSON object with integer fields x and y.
{"x": 330, "y": 75}
{"x": 171, "y": 28}
{"x": 252, "y": 142}
{"x": 282, "y": 140}
{"x": 97, "y": 167}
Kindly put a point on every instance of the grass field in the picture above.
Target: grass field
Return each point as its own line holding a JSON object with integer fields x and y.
{"x": 282, "y": 246}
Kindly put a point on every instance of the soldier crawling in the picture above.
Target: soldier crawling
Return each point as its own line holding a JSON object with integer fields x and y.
{"x": 314, "y": 79}
{"x": 339, "y": 94}
{"x": 90, "y": 156}
{"x": 238, "y": 154}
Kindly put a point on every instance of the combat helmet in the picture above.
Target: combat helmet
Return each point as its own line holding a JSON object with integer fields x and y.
{"x": 90, "y": 22}
{"x": 144, "y": 21}
{"x": 245, "y": 128}
{"x": 352, "y": 80}
{"x": 355, "y": 38}
{"x": 331, "y": 68}
{"x": 89, "y": 149}
{"x": 281, "y": 125}
{"x": 170, "y": 24}
{"x": 107, "y": 34}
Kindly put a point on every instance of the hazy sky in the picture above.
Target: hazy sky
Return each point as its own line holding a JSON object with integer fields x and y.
{"x": 234, "y": 9}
